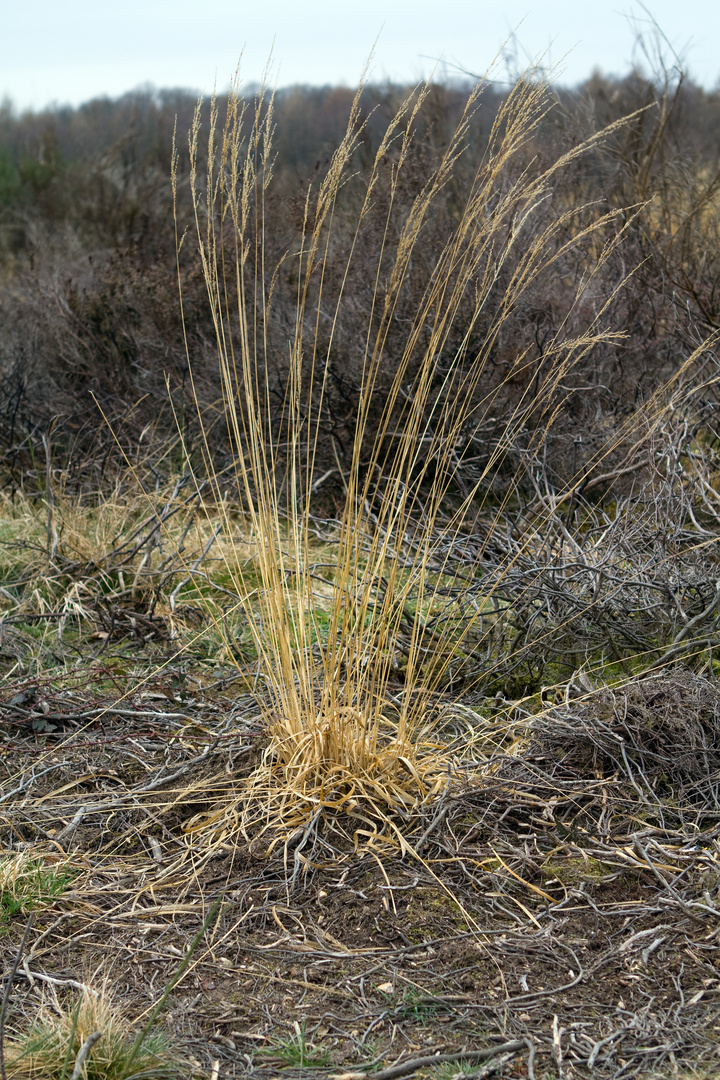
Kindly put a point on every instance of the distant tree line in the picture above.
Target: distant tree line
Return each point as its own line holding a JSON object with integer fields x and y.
{"x": 89, "y": 305}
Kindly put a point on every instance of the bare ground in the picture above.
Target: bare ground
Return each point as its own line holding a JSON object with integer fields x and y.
{"x": 563, "y": 902}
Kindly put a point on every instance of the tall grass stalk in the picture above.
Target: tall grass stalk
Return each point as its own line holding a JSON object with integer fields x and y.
{"x": 341, "y": 735}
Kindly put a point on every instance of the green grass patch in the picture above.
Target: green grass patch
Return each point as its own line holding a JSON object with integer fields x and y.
{"x": 29, "y": 882}
{"x": 296, "y": 1051}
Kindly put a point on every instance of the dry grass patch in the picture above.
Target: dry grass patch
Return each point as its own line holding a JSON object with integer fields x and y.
{"x": 87, "y": 1038}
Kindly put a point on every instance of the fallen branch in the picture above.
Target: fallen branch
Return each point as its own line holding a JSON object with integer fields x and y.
{"x": 405, "y": 1068}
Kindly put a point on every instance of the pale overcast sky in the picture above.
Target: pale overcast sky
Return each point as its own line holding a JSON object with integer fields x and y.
{"x": 67, "y": 51}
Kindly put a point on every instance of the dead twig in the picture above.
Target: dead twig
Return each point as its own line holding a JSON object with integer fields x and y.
{"x": 405, "y": 1068}
{"x": 8, "y": 987}
{"x": 84, "y": 1053}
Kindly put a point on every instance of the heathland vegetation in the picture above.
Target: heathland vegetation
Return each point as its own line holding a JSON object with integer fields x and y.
{"x": 359, "y": 593}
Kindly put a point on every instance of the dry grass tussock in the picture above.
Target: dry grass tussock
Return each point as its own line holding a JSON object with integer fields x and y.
{"x": 88, "y": 1037}
{"x": 343, "y": 736}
